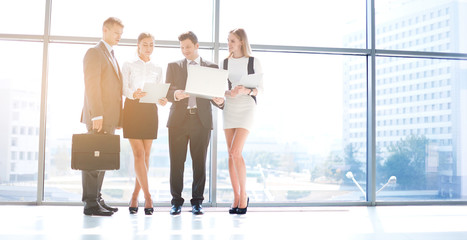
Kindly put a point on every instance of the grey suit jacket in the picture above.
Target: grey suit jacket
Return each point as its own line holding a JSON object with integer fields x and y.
{"x": 177, "y": 75}
{"x": 103, "y": 88}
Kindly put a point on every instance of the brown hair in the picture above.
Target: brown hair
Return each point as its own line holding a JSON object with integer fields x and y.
{"x": 109, "y": 22}
{"x": 241, "y": 35}
{"x": 142, "y": 36}
{"x": 188, "y": 35}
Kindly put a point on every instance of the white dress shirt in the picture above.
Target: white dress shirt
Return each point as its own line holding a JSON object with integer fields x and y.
{"x": 238, "y": 68}
{"x": 136, "y": 73}
{"x": 198, "y": 62}
{"x": 110, "y": 49}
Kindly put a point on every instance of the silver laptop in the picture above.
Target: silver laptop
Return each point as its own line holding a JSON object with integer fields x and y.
{"x": 206, "y": 82}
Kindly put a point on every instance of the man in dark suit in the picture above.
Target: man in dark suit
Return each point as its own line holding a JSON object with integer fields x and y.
{"x": 102, "y": 109}
{"x": 190, "y": 122}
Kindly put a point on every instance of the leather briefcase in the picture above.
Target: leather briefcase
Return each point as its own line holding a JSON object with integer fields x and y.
{"x": 93, "y": 151}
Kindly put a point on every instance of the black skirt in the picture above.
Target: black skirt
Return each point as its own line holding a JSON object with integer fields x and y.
{"x": 140, "y": 120}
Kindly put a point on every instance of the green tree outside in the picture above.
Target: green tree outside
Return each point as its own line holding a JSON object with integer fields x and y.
{"x": 407, "y": 162}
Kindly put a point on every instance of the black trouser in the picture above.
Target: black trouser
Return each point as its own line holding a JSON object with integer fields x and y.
{"x": 193, "y": 133}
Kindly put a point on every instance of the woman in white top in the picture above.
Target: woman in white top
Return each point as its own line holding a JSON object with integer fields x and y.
{"x": 140, "y": 120}
{"x": 239, "y": 112}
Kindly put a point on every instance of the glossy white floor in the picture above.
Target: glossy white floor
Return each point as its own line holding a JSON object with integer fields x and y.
{"x": 383, "y": 222}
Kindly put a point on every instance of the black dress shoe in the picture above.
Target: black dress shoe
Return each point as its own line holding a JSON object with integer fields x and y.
{"x": 97, "y": 211}
{"x": 107, "y": 207}
{"x": 197, "y": 209}
{"x": 176, "y": 209}
{"x": 243, "y": 210}
{"x": 233, "y": 210}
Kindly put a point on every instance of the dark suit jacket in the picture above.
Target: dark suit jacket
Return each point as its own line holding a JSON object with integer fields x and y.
{"x": 103, "y": 88}
{"x": 177, "y": 76}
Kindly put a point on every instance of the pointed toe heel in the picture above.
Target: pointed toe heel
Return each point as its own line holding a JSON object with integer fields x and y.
{"x": 243, "y": 210}
{"x": 233, "y": 210}
{"x": 133, "y": 210}
{"x": 148, "y": 211}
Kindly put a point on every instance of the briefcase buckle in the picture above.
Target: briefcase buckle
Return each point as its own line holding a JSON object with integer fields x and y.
{"x": 97, "y": 153}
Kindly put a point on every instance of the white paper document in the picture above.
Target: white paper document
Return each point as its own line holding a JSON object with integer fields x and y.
{"x": 251, "y": 80}
{"x": 154, "y": 92}
{"x": 206, "y": 82}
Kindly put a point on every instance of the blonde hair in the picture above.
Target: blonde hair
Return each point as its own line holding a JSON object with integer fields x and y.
{"x": 111, "y": 21}
{"x": 241, "y": 35}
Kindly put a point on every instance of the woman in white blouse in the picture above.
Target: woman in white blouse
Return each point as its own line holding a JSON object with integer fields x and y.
{"x": 140, "y": 120}
{"x": 239, "y": 111}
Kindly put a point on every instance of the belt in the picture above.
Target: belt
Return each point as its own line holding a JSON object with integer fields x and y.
{"x": 192, "y": 111}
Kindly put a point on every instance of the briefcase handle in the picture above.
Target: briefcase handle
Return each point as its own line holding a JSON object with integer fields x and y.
{"x": 94, "y": 131}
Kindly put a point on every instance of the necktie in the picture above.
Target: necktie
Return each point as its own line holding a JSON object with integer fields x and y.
{"x": 114, "y": 60}
{"x": 192, "y": 99}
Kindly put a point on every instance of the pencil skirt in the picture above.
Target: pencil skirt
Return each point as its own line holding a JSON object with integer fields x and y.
{"x": 140, "y": 120}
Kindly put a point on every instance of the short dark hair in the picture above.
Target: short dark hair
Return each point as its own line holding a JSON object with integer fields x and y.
{"x": 109, "y": 22}
{"x": 188, "y": 35}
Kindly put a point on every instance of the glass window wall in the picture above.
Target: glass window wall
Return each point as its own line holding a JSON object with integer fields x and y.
{"x": 309, "y": 134}
{"x": 296, "y": 22}
{"x": 20, "y": 92}
{"x": 22, "y": 17}
{"x": 420, "y": 111}
{"x": 165, "y": 19}
{"x": 421, "y": 25}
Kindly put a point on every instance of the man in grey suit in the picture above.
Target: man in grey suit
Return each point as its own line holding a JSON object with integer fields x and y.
{"x": 190, "y": 122}
{"x": 102, "y": 111}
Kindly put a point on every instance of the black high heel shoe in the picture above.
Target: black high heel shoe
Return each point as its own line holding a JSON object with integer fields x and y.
{"x": 243, "y": 210}
{"x": 133, "y": 210}
{"x": 148, "y": 211}
{"x": 233, "y": 210}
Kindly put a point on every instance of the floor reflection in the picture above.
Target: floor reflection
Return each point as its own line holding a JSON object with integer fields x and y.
{"x": 402, "y": 222}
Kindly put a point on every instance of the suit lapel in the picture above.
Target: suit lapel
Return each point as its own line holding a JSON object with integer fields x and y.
{"x": 201, "y": 62}
{"x": 185, "y": 70}
{"x": 109, "y": 59}
{"x": 119, "y": 72}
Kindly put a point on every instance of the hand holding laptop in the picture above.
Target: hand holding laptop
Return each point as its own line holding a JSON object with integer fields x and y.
{"x": 218, "y": 101}
{"x": 181, "y": 94}
{"x": 239, "y": 90}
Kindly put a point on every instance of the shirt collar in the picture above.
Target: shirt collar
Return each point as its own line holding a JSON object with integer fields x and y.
{"x": 138, "y": 59}
{"x": 109, "y": 48}
{"x": 197, "y": 60}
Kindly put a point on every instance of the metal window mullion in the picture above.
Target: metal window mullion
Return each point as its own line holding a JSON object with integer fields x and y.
{"x": 43, "y": 112}
{"x": 371, "y": 108}
{"x": 213, "y": 178}
{"x": 421, "y": 55}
